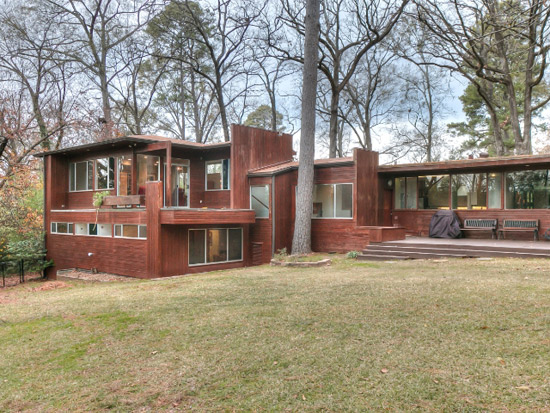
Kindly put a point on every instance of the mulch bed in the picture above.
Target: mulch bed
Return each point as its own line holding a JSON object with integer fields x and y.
{"x": 14, "y": 280}
{"x": 89, "y": 276}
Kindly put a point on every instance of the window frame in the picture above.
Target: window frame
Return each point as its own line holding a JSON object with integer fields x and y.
{"x": 504, "y": 178}
{"x": 268, "y": 187}
{"x": 87, "y": 234}
{"x": 206, "y": 163}
{"x": 70, "y": 228}
{"x": 334, "y": 200}
{"x": 121, "y": 236}
{"x": 206, "y": 246}
{"x": 88, "y": 163}
{"x": 108, "y": 158}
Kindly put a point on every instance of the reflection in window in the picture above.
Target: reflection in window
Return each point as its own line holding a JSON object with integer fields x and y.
{"x": 259, "y": 200}
{"x": 217, "y": 174}
{"x": 148, "y": 169}
{"x": 81, "y": 176}
{"x": 433, "y": 192}
{"x": 61, "y": 228}
{"x": 405, "y": 193}
{"x": 208, "y": 246}
{"x": 528, "y": 190}
{"x": 469, "y": 191}
{"x": 130, "y": 231}
{"x": 105, "y": 173}
{"x": 333, "y": 201}
{"x": 494, "y": 185}
{"x": 124, "y": 175}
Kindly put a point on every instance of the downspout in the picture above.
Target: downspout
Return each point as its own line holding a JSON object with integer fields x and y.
{"x": 272, "y": 215}
{"x": 45, "y": 224}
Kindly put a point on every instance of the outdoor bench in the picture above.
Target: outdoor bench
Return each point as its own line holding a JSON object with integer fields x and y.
{"x": 514, "y": 225}
{"x": 476, "y": 224}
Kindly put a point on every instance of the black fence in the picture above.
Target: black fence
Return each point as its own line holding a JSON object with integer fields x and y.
{"x": 21, "y": 267}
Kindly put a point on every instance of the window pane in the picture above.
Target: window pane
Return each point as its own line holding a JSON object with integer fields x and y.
{"x": 196, "y": 246}
{"x": 323, "y": 201}
{"x": 125, "y": 175}
{"x": 433, "y": 192}
{"x": 399, "y": 193}
{"x": 225, "y": 174}
{"x": 143, "y": 231}
{"x": 72, "y": 183}
{"x": 90, "y": 174}
{"x": 147, "y": 170}
{"x": 469, "y": 191}
{"x": 81, "y": 229}
{"x": 528, "y": 190}
{"x": 259, "y": 200}
{"x": 217, "y": 245}
{"x": 495, "y": 181}
{"x": 92, "y": 229}
{"x": 235, "y": 244}
{"x": 102, "y": 173}
{"x": 62, "y": 228}
{"x": 81, "y": 172}
{"x": 214, "y": 175}
{"x": 412, "y": 186}
{"x": 130, "y": 231}
{"x": 344, "y": 200}
{"x": 104, "y": 230}
{"x": 54, "y": 227}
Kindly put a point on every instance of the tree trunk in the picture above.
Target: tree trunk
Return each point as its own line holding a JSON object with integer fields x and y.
{"x": 334, "y": 102}
{"x": 301, "y": 243}
{"x": 221, "y": 105}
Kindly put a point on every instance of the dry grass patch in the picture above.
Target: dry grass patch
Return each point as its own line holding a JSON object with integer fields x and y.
{"x": 416, "y": 335}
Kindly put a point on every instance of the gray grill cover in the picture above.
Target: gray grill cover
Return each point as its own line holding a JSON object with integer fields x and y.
{"x": 445, "y": 224}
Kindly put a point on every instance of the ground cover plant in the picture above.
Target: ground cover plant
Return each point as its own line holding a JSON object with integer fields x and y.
{"x": 456, "y": 335}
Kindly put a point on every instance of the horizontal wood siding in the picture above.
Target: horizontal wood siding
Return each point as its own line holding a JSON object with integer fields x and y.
{"x": 207, "y": 216}
{"x": 366, "y": 191}
{"x": 260, "y": 232}
{"x": 337, "y": 235}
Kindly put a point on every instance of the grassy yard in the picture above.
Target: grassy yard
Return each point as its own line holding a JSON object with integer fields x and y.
{"x": 461, "y": 335}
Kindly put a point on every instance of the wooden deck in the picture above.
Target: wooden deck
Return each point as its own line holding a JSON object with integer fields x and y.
{"x": 429, "y": 248}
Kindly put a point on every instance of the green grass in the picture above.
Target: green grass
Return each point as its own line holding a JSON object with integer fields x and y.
{"x": 462, "y": 335}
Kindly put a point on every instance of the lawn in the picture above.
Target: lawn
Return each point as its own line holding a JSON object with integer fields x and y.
{"x": 456, "y": 335}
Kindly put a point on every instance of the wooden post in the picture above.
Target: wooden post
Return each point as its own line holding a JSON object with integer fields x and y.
{"x": 168, "y": 175}
{"x": 153, "y": 204}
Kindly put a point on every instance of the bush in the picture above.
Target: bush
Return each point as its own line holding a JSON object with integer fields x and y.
{"x": 352, "y": 254}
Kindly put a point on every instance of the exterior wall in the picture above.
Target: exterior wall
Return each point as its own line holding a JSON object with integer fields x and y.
{"x": 262, "y": 229}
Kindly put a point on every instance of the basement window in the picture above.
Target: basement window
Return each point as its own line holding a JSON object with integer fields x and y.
{"x": 101, "y": 230}
{"x": 61, "y": 228}
{"x": 130, "y": 231}
{"x": 216, "y": 245}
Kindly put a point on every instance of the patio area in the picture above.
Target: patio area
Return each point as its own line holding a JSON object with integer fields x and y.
{"x": 429, "y": 248}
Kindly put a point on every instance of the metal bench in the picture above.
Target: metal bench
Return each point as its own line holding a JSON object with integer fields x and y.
{"x": 514, "y": 225}
{"x": 476, "y": 224}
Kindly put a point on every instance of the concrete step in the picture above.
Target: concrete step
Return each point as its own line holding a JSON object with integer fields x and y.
{"x": 420, "y": 254}
{"x": 542, "y": 250}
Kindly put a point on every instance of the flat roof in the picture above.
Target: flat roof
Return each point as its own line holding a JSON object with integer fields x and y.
{"x": 135, "y": 139}
{"x": 281, "y": 167}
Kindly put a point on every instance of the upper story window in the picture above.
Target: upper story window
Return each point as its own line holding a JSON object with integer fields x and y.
{"x": 333, "y": 201}
{"x": 81, "y": 176}
{"x": 124, "y": 175}
{"x": 259, "y": 200}
{"x": 528, "y": 189}
{"x": 217, "y": 175}
{"x": 433, "y": 192}
{"x": 105, "y": 173}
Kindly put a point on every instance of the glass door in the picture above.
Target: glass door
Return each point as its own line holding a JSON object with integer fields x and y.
{"x": 179, "y": 186}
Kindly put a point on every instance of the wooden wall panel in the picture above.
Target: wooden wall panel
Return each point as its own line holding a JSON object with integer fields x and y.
{"x": 334, "y": 175}
{"x": 261, "y": 231}
{"x": 113, "y": 255}
{"x": 174, "y": 249}
{"x": 252, "y": 148}
{"x": 337, "y": 235}
{"x": 153, "y": 203}
{"x": 367, "y": 187}
{"x": 284, "y": 209}
{"x": 105, "y": 216}
{"x": 417, "y": 222}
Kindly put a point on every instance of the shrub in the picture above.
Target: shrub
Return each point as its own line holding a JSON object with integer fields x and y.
{"x": 352, "y": 254}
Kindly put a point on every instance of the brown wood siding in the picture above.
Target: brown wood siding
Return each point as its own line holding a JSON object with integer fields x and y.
{"x": 154, "y": 244}
{"x": 207, "y": 216}
{"x": 285, "y": 185}
{"x": 261, "y": 232}
{"x": 105, "y": 216}
{"x": 112, "y": 255}
{"x": 337, "y": 235}
{"x": 252, "y": 148}
{"x": 417, "y": 222}
{"x": 367, "y": 189}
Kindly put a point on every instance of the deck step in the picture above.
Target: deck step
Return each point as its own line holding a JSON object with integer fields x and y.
{"x": 460, "y": 251}
{"x": 434, "y": 254}
{"x": 381, "y": 257}
{"x": 531, "y": 250}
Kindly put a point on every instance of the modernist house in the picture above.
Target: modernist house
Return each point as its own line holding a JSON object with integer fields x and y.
{"x": 180, "y": 207}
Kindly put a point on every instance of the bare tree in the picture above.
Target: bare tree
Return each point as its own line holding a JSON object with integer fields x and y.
{"x": 349, "y": 29}
{"x": 501, "y": 48}
{"x": 301, "y": 242}
{"x": 93, "y": 30}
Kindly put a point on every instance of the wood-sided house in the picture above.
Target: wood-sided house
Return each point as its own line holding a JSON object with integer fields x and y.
{"x": 180, "y": 207}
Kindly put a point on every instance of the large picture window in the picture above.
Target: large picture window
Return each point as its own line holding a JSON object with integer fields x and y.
{"x": 209, "y": 246}
{"x": 469, "y": 191}
{"x": 124, "y": 186}
{"x": 105, "y": 173}
{"x": 333, "y": 201}
{"x": 81, "y": 176}
{"x": 217, "y": 175}
{"x": 528, "y": 190}
{"x": 148, "y": 169}
{"x": 433, "y": 192}
{"x": 405, "y": 193}
{"x": 259, "y": 200}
